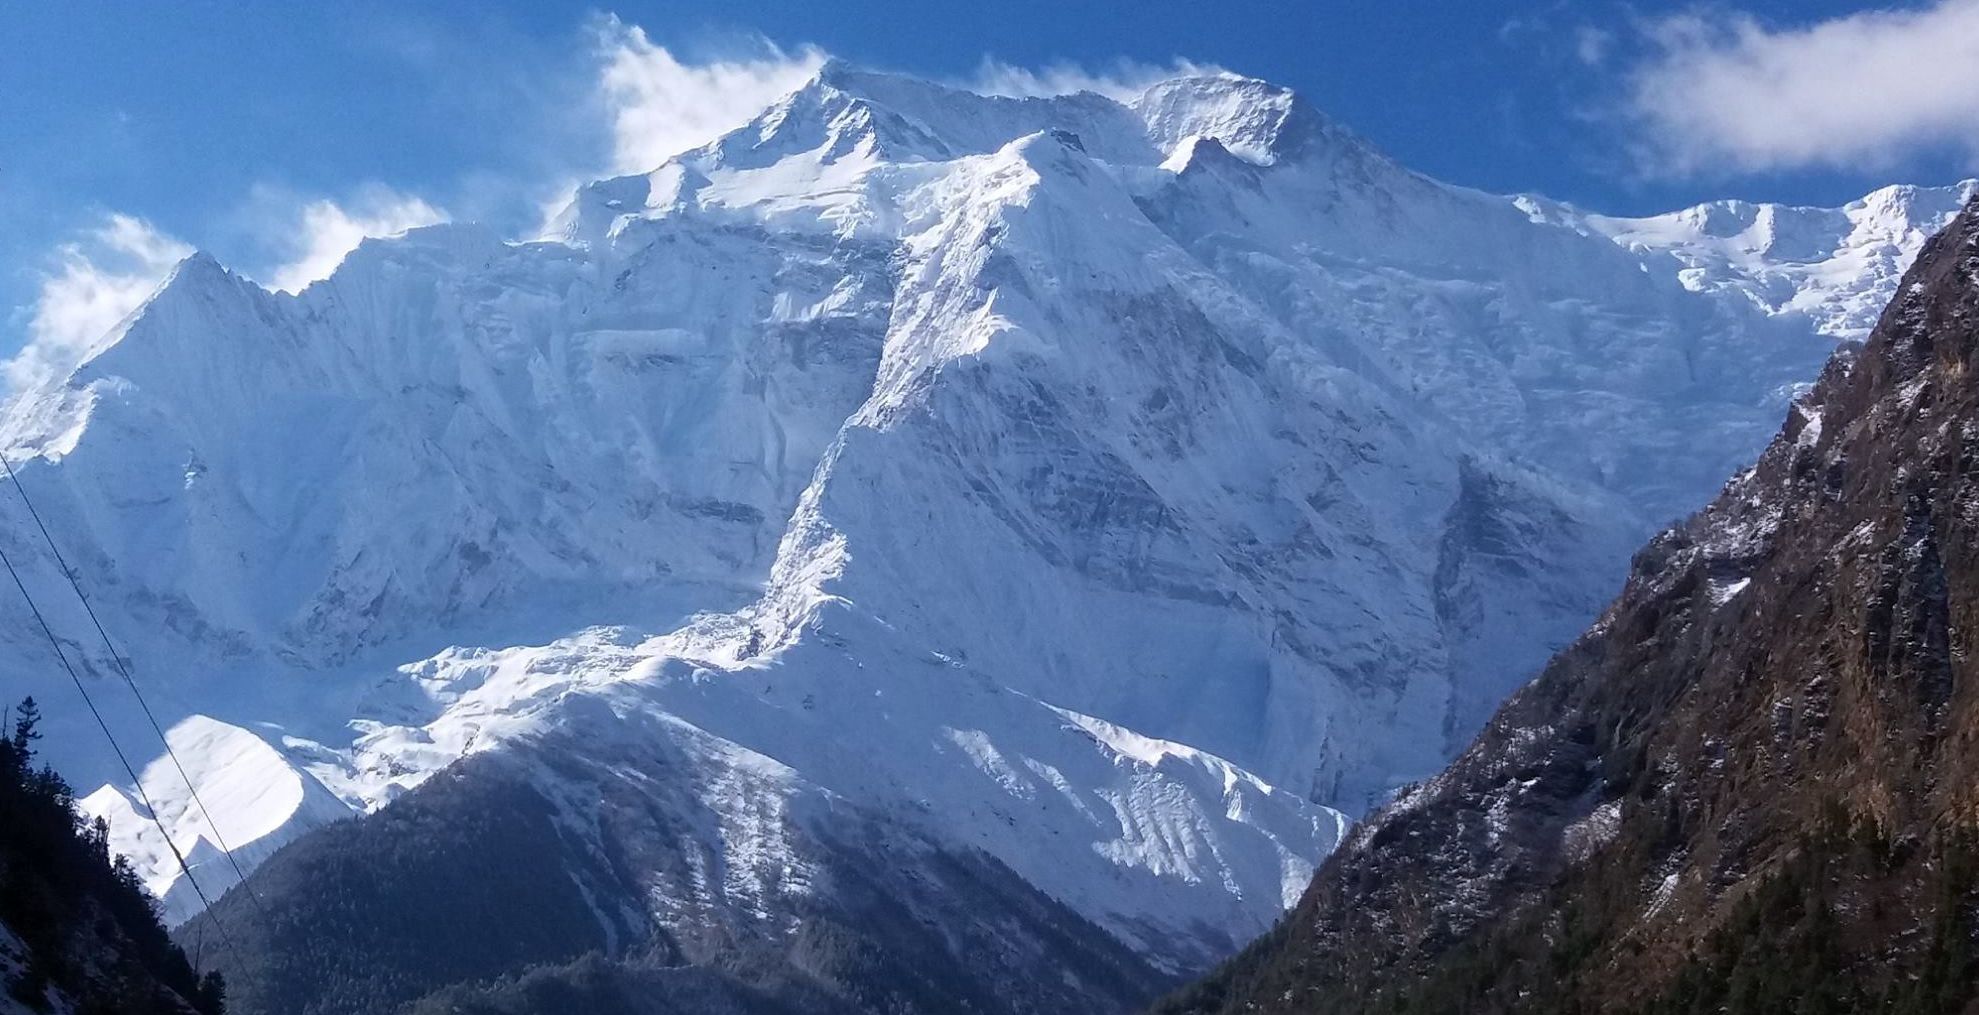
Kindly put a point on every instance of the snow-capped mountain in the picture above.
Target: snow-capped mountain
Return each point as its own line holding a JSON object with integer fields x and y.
{"x": 1837, "y": 267}
{"x": 1119, "y": 491}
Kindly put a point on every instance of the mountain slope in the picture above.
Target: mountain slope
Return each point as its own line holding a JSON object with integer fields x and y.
{"x": 1838, "y": 266}
{"x": 524, "y": 860}
{"x": 1750, "y": 784}
{"x": 1116, "y": 494}
{"x": 78, "y": 933}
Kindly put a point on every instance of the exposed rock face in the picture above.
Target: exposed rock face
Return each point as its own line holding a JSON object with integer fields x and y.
{"x": 1754, "y": 782}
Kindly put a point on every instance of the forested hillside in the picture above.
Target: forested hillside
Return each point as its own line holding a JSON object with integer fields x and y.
{"x": 78, "y": 932}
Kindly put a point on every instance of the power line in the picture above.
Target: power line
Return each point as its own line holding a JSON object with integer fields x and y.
{"x": 122, "y": 758}
{"x": 118, "y": 660}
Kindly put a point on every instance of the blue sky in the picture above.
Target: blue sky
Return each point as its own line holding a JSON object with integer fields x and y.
{"x": 274, "y": 134}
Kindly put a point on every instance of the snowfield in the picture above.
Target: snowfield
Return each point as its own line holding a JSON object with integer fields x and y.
{"x": 1129, "y": 491}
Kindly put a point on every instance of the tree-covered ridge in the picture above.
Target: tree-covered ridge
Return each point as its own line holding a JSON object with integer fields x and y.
{"x": 91, "y": 933}
{"x": 477, "y": 893}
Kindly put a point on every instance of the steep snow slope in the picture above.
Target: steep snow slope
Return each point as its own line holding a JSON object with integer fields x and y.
{"x": 254, "y": 795}
{"x": 1837, "y": 267}
{"x": 1109, "y": 487}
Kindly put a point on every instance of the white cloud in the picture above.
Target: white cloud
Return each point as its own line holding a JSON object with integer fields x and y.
{"x": 324, "y": 231}
{"x": 1862, "y": 90}
{"x": 661, "y": 105}
{"x": 1591, "y": 45}
{"x": 1123, "y": 80}
{"x": 100, "y": 278}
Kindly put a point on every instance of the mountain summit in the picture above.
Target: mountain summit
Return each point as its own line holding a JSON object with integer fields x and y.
{"x": 1094, "y": 502}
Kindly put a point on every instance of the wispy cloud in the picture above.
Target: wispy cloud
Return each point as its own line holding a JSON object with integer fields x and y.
{"x": 1123, "y": 80}
{"x": 1865, "y": 90}
{"x": 323, "y": 231}
{"x": 98, "y": 279}
{"x": 661, "y": 104}
{"x": 1591, "y": 44}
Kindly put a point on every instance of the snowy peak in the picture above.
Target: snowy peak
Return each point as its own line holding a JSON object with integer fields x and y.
{"x": 1256, "y": 120}
{"x": 1894, "y": 215}
{"x": 250, "y": 798}
{"x": 198, "y": 277}
{"x": 857, "y": 154}
{"x": 827, "y": 123}
{"x": 846, "y": 112}
{"x": 1834, "y": 266}
{"x": 458, "y": 246}
{"x": 908, "y": 119}
{"x": 854, "y": 153}
{"x": 970, "y": 123}
{"x": 1897, "y": 212}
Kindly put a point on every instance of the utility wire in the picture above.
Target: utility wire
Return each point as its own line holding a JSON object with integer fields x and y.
{"x": 118, "y": 660}
{"x": 184, "y": 867}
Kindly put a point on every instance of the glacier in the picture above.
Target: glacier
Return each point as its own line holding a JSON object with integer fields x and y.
{"x": 1131, "y": 491}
